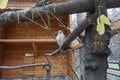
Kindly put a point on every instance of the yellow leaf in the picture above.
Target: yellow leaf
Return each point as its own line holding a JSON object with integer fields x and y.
{"x": 104, "y": 19}
{"x": 98, "y": 20}
{"x": 3, "y": 4}
{"x": 100, "y": 27}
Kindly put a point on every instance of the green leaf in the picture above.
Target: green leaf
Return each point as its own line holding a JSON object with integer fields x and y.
{"x": 100, "y": 27}
{"x": 104, "y": 19}
{"x": 3, "y": 4}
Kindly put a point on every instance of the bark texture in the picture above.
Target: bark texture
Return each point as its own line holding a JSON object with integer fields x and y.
{"x": 64, "y": 8}
{"x": 95, "y": 65}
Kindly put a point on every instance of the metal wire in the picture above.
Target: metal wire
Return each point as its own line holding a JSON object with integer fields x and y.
{"x": 49, "y": 29}
{"x": 35, "y": 22}
{"x": 69, "y": 64}
{"x": 59, "y": 62}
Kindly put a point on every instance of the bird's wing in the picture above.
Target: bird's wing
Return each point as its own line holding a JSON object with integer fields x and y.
{"x": 60, "y": 38}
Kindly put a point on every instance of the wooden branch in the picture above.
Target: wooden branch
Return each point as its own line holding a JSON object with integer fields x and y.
{"x": 54, "y": 52}
{"x": 65, "y": 8}
{"x": 78, "y": 31}
{"x": 27, "y": 40}
{"x": 22, "y": 66}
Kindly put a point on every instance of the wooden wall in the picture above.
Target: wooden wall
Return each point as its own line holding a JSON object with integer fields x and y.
{"x": 28, "y": 30}
{"x": 14, "y": 52}
{"x": 1, "y": 50}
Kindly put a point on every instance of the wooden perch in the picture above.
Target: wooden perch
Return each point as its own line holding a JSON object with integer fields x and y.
{"x": 27, "y": 40}
{"x": 115, "y": 31}
{"x": 80, "y": 45}
{"x": 65, "y": 8}
{"x": 115, "y": 28}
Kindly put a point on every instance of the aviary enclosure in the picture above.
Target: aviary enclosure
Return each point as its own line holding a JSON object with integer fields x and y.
{"x": 28, "y": 48}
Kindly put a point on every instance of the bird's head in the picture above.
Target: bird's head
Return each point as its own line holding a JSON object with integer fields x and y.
{"x": 60, "y": 31}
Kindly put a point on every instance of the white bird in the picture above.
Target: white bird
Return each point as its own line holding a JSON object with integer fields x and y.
{"x": 60, "y": 38}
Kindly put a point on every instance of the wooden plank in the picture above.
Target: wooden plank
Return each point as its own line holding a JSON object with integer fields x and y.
{"x": 114, "y": 72}
{"x": 29, "y": 60}
{"x": 27, "y": 40}
{"x": 28, "y": 71}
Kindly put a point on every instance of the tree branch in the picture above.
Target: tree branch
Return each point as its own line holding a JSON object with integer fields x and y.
{"x": 64, "y": 8}
{"x": 78, "y": 31}
{"x": 22, "y": 66}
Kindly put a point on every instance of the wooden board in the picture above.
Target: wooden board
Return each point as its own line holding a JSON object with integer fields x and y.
{"x": 29, "y": 71}
{"x": 27, "y": 40}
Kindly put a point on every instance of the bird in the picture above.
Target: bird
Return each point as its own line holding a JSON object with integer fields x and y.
{"x": 60, "y": 38}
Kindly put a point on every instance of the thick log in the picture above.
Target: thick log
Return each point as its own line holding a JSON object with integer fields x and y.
{"x": 95, "y": 56}
{"x": 64, "y": 8}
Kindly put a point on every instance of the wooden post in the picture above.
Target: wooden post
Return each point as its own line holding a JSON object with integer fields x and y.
{"x": 35, "y": 49}
{"x": 95, "y": 61}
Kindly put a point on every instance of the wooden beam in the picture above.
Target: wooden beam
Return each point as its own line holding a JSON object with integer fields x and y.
{"x": 35, "y": 49}
{"x": 27, "y": 40}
